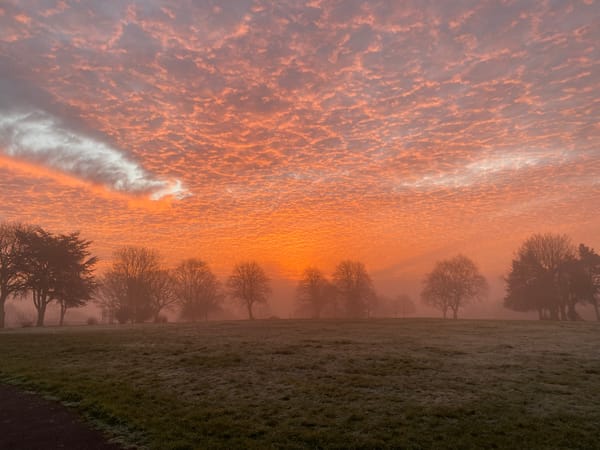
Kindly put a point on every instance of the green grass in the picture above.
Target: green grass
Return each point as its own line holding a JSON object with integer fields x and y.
{"x": 335, "y": 384}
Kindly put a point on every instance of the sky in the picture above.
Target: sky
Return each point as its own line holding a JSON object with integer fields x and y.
{"x": 299, "y": 133}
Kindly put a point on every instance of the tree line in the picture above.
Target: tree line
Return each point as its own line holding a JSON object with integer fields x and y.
{"x": 137, "y": 289}
{"x": 548, "y": 275}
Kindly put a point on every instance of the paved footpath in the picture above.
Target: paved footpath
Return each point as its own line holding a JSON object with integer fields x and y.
{"x": 30, "y": 422}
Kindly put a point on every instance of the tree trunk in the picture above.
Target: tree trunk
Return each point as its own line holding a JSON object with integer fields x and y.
{"x": 455, "y": 313}
{"x": 594, "y": 302}
{"x": 3, "y": 302}
{"x": 445, "y": 310}
{"x": 563, "y": 313}
{"x": 541, "y": 313}
{"x": 41, "y": 313}
{"x": 63, "y": 311}
{"x": 553, "y": 313}
{"x": 40, "y": 302}
{"x": 572, "y": 313}
{"x": 250, "y": 316}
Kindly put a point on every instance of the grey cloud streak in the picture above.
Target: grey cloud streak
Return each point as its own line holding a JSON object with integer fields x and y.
{"x": 40, "y": 138}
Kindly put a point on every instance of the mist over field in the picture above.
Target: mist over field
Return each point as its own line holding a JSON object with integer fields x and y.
{"x": 283, "y": 305}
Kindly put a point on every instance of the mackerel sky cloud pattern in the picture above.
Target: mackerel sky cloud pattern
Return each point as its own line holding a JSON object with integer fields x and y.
{"x": 395, "y": 132}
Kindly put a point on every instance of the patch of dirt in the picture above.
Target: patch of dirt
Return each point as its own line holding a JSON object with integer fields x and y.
{"x": 28, "y": 421}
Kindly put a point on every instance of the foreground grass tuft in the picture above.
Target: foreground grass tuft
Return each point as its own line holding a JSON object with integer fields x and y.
{"x": 336, "y": 384}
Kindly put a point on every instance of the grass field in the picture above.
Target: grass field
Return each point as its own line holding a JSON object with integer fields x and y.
{"x": 334, "y": 384}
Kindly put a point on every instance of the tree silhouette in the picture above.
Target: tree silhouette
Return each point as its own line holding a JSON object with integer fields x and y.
{"x": 587, "y": 285}
{"x": 55, "y": 268}
{"x": 39, "y": 266}
{"x": 161, "y": 294}
{"x": 10, "y": 254}
{"x": 528, "y": 285}
{"x": 314, "y": 292}
{"x": 355, "y": 288}
{"x": 452, "y": 284}
{"x": 109, "y": 296}
{"x": 542, "y": 277}
{"x": 249, "y": 285}
{"x": 128, "y": 286}
{"x": 76, "y": 281}
{"x": 196, "y": 289}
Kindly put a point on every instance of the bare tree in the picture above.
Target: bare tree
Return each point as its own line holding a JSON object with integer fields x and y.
{"x": 314, "y": 292}
{"x": 109, "y": 296}
{"x": 355, "y": 288}
{"x": 10, "y": 252}
{"x": 452, "y": 284}
{"x": 249, "y": 285}
{"x": 162, "y": 293}
{"x": 128, "y": 286}
{"x": 196, "y": 289}
{"x": 113, "y": 299}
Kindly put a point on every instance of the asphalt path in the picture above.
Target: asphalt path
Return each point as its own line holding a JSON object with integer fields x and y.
{"x": 30, "y": 422}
